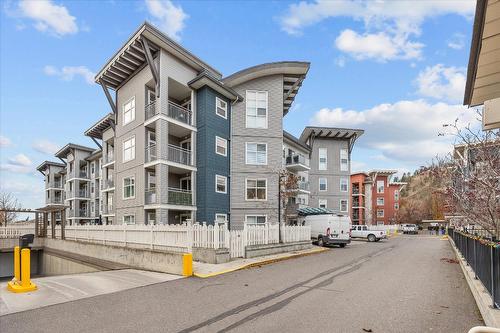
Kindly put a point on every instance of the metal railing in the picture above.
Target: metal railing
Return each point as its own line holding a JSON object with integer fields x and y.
{"x": 483, "y": 257}
{"x": 174, "y": 154}
{"x": 55, "y": 184}
{"x": 83, "y": 194}
{"x": 296, "y": 159}
{"x": 304, "y": 186}
{"x": 177, "y": 196}
{"x": 150, "y": 110}
{"x": 84, "y": 213}
{"x": 56, "y": 200}
{"x": 107, "y": 209}
{"x": 83, "y": 174}
{"x": 150, "y": 196}
{"x": 107, "y": 184}
{"x": 109, "y": 157}
{"x": 174, "y": 111}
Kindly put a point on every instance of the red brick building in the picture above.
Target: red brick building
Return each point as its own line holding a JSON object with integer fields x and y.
{"x": 374, "y": 197}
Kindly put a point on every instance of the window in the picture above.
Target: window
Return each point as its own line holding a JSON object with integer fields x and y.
{"x": 380, "y": 201}
{"x": 128, "y": 187}
{"x": 322, "y": 203}
{"x": 322, "y": 184}
{"x": 256, "y": 219}
{"x": 380, "y": 222}
{"x": 322, "y": 158}
{"x": 380, "y": 213}
{"x": 396, "y": 206}
{"x": 396, "y": 195}
{"x": 256, "y": 109}
{"x": 221, "y": 146}
{"x": 343, "y": 205}
{"x": 91, "y": 187}
{"x": 220, "y": 107}
{"x": 129, "y": 149}
{"x": 129, "y": 219}
{"x": 220, "y": 184}
{"x": 344, "y": 160}
{"x": 256, "y": 189}
{"x": 256, "y": 153}
{"x": 92, "y": 168}
{"x": 344, "y": 187}
{"x": 221, "y": 218}
{"x": 129, "y": 111}
{"x": 380, "y": 186}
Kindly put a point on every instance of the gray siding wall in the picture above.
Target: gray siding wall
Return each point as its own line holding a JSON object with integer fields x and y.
{"x": 333, "y": 195}
{"x": 273, "y": 136}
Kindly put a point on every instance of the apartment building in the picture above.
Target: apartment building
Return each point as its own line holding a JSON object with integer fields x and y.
{"x": 54, "y": 178}
{"x": 183, "y": 142}
{"x": 374, "y": 197}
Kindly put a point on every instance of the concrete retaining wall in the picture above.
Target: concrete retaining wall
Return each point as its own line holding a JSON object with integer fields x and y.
{"x": 56, "y": 265}
{"x": 211, "y": 256}
{"x": 264, "y": 250}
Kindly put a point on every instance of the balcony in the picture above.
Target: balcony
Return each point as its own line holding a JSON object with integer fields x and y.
{"x": 108, "y": 184}
{"x": 107, "y": 210}
{"x": 83, "y": 194}
{"x": 291, "y": 208}
{"x": 297, "y": 163}
{"x": 174, "y": 154}
{"x": 55, "y": 201}
{"x": 303, "y": 186}
{"x": 174, "y": 111}
{"x": 150, "y": 196}
{"x": 84, "y": 212}
{"x": 177, "y": 196}
{"x": 55, "y": 184}
{"x": 83, "y": 174}
{"x": 109, "y": 158}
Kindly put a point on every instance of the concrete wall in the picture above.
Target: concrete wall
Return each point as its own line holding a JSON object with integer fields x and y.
{"x": 55, "y": 265}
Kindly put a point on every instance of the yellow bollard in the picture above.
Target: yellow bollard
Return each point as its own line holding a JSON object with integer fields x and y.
{"x": 24, "y": 284}
{"x": 187, "y": 264}
{"x": 17, "y": 264}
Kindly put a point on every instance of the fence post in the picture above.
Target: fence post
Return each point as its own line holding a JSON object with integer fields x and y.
{"x": 125, "y": 236}
{"x": 216, "y": 235}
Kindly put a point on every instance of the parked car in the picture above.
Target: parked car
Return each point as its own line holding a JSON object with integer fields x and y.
{"x": 410, "y": 229}
{"x": 362, "y": 231}
{"x": 329, "y": 229}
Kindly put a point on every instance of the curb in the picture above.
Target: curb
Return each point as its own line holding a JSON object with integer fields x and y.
{"x": 490, "y": 316}
{"x": 259, "y": 263}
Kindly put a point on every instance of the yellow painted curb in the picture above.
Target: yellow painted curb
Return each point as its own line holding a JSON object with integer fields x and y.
{"x": 259, "y": 263}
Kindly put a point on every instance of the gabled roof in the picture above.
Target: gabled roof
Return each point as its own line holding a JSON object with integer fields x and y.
{"x": 96, "y": 130}
{"x": 295, "y": 140}
{"x": 206, "y": 79}
{"x": 64, "y": 151}
{"x": 131, "y": 58}
{"x": 45, "y": 164}
{"x": 294, "y": 72}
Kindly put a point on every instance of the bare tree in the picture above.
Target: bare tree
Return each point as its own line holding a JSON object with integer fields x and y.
{"x": 289, "y": 185}
{"x": 470, "y": 177}
{"x": 8, "y": 202}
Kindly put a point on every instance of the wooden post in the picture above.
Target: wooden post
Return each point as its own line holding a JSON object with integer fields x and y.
{"x": 63, "y": 223}
{"x": 53, "y": 224}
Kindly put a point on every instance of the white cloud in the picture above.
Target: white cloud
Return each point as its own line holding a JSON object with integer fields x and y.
{"x": 5, "y": 141}
{"x": 457, "y": 41}
{"x": 49, "y": 17}
{"x": 168, "y": 17}
{"x": 405, "y": 131}
{"x": 45, "y": 147}
{"x": 442, "y": 83}
{"x": 357, "y": 166}
{"x": 391, "y": 23}
{"x": 20, "y": 160}
{"x": 18, "y": 164}
{"x": 340, "y": 61}
{"x": 68, "y": 73}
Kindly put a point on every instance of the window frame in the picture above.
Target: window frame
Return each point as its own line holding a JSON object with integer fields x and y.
{"x": 128, "y": 215}
{"x": 380, "y": 210}
{"x": 347, "y": 159}
{"x": 256, "y": 153}
{"x": 267, "y": 108}
{"x": 383, "y": 201}
{"x": 217, "y": 145}
{"x": 133, "y": 150}
{"x": 383, "y": 186}
{"x": 319, "y": 159}
{"x": 221, "y": 214}
{"x": 325, "y": 201}
{"x": 256, "y": 189}
{"x": 346, "y": 205}
{"x": 123, "y": 187}
{"x": 217, "y": 99}
{"x": 346, "y": 180}
{"x": 225, "y": 184}
{"x": 256, "y": 215}
{"x": 123, "y": 111}
{"x": 319, "y": 184}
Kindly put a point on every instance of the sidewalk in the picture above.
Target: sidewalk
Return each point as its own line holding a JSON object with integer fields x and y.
{"x": 203, "y": 270}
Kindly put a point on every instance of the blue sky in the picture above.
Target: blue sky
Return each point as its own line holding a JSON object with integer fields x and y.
{"x": 395, "y": 68}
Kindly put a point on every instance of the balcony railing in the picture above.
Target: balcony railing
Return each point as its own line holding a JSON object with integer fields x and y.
{"x": 177, "y": 196}
{"x": 55, "y": 201}
{"x": 55, "y": 184}
{"x": 296, "y": 159}
{"x": 150, "y": 196}
{"x": 109, "y": 157}
{"x": 83, "y": 194}
{"x": 174, "y": 111}
{"x": 304, "y": 186}
{"x": 84, "y": 213}
{"x": 83, "y": 174}
{"x": 107, "y": 209}
{"x": 108, "y": 183}
{"x": 174, "y": 154}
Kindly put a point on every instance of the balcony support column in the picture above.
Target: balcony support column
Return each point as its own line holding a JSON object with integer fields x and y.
{"x": 152, "y": 65}
{"x": 111, "y": 102}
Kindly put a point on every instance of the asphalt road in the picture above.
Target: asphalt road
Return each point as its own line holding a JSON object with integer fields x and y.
{"x": 398, "y": 285}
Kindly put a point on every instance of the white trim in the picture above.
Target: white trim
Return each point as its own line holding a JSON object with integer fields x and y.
{"x": 319, "y": 184}
{"x": 346, "y": 183}
{"x": 123, "y": 149}
{"x": 123, "y": 187}
{"x": 383, "y": 186}
{"x": 324, "y": 201}
{"x": 267, "y": 108}
{"x": 383, "y": 213}
{"x": 225, "y": 184}
{"x": 326, "y": 159}
{"x": 225, "y": 148}
{"x": 246, "y": 189}
{"x": 346, "y": 205}
{"x": 383, "y": 201}
{"x": 123, "y": 111}
{"x": 216, "y": 107}
{"x": 255, "y": 215}
{"x": 246, "y": 153}
{"x": 221, "y": 214}
{"x": 340, "y": 159}
{"x": 128, "y": 215}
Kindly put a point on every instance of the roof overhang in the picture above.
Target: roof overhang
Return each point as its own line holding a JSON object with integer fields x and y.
{"x": 96, "y": 130}
{"x": 46, "y": 164}
{"x": 64, "y": 151}
{"x": 131, "y": 57}
{"x": 292, "y": 140}
{"x": 383, "y": 172}
{"x": 294, "y": 73}
{"x": 205, "y": 79}
{"x": 310, "y": 133}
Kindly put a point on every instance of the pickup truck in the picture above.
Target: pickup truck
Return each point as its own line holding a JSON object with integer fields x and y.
{"x": 362, "y": 231}
{"x": 410, "y": 229}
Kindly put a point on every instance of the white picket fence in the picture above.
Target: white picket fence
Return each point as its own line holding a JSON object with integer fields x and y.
{"x": 14, "y": 231}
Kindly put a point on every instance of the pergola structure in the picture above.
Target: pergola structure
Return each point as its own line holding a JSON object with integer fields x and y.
{"x": 42, "y": 218}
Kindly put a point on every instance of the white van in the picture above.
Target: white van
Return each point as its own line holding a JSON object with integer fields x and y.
{"x": 330, "y": 229}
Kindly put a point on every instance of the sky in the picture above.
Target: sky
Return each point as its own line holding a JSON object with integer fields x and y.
{"x": 396, "y": 69}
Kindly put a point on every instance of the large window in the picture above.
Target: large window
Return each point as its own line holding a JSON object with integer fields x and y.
{"x": 220, "y": 218}
{"x": 256, "y": 109}
{"x": 256, "y": 189}
{"x": 380, "y": 213}
{"x": 344, "y": 184}
{"x": 221, "y": 146}
{"x": 380, "y": 201}
{"x": 344, "y": 160}
{"x": 256, "y": 153}
{"x": 220, "y": 184}
{"x": 128, "y": 187}
{"x": 129, "y": 149}
{"x": 323, "y": 184}
{"x": 323, "y": 160}
{"x": 129, "y": 219}
{"x": 129, "y": 111}
{"x": 343, "y": 205}
{"x": 256, "y": 219}
{"x": 380, "y": 186}
{"x": 221, "y": 108}
{"x": 322, "y": 203}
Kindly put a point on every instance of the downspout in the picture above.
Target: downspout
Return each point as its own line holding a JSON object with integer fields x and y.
{"x": 230, "y": 155}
